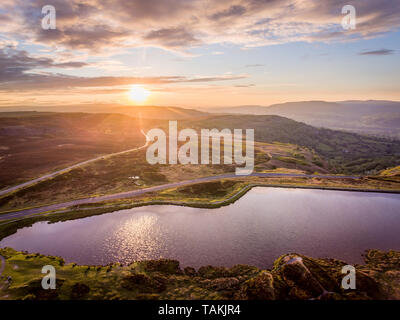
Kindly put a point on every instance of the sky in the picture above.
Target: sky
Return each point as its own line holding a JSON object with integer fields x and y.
{"x": 197, "y": 53}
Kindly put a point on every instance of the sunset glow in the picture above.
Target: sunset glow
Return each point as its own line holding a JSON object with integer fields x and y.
{"x": 231, "y": 55}
{"x": 138, "y": 94}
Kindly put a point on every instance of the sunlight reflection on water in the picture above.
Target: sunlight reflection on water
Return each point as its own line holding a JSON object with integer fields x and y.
{"x": 256, "y": 229}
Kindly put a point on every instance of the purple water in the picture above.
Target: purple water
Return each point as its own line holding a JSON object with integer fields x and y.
{"x": 255, "y": 230}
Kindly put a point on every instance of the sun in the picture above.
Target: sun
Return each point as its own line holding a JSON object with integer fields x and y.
{"x": 139, "y": 94}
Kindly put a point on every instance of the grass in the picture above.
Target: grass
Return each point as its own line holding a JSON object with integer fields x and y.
{"x": 204, "y": 195}
{"x": 341, "y": 148}
{"x": 391, "y": 172}
{"x": 33, "y": 144}
{"x": 114, "y": 175}
{"x": 164, "y": 279}
{"x": 292, "y": 160}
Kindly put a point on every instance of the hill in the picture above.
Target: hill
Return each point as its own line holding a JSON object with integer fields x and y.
{"x": 369, "y": 117}
{"x": 144, "y": 112}
{"x": 347, "y": 152}
{"x": 35, "y": 143}
{"x": 154, "y": 112}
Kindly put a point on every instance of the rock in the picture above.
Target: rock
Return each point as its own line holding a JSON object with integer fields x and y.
{"x": 189, "y": 271}
{"x": 297, "y": 276}
{"x": 144, "y": 283}
{"x": 36, "y": 292}
{"x": 223, "y": 284}
{"x": 293, "y": 276}
{"x": 380, "y": 260}
{"x": 79, "y": 290}
{"x": 368, "y": 285}
{"x": 162, "y": 265}
{"x": 211, "y": 272}
{"x": 243, "y": 270}
{"x": 393, "y": 274}
{"x": 260, "y": 287}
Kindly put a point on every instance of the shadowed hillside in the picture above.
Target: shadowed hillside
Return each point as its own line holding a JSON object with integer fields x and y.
{"x": 370, "y": 117}
{"x": 144, "y": 112}
{"x": 34, "y": 143}
{"x": 348, "y": 152}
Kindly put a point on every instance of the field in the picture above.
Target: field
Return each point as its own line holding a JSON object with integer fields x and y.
{"x": 131, "y": 171}
{"x": 35, "y": 143}
{"x": 345, "y": 152}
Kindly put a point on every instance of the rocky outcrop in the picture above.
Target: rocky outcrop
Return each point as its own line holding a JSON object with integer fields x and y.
{"x": 260, "y": 287}
{"x": 293, "y": 277}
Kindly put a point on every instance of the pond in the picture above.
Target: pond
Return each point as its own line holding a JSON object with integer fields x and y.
{"x": 255, "y": 230}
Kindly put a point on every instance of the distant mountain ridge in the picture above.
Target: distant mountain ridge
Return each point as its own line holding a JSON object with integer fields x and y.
{"x": 378, "y": 117}
{"x": 375, "y": 117}
{"x": 145, "y": 112}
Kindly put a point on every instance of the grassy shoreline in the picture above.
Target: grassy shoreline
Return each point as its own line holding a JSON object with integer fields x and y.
{"x": 163, "y": 279}
{"x": 365, "y": 188}
{"x": 166, "y": 197}
{"x": 292, "y": 277}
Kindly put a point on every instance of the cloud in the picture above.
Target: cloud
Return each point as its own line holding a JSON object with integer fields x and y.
{"x": 33, "y": 81}
{"x": 70, "y": 64}
{"x": 171, "y": 37}
{"x": 15, "y": 63}
{"x": 244, "y": 85}
{"x": 232, "y": 11}
{"x": 150, "y": 12}
{"x": 19, "y": 71}
{"x": 381, "y": 52}
{"x": 97, "y": 25}
{"x": 83, "y": 37}
{"x": 217, "y": 78}
{"x": 256, "y": 65}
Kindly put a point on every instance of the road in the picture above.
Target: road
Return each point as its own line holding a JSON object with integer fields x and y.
{"x": 58, "y": 172}
{"x": 129, "y": 194}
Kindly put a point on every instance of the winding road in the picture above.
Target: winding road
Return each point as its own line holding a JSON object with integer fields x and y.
{"x": 133, "y": 193}
{"x": 58, "y": 172}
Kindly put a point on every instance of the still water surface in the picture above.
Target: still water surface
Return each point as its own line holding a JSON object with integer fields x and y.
{"x": 256, "y": 229}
